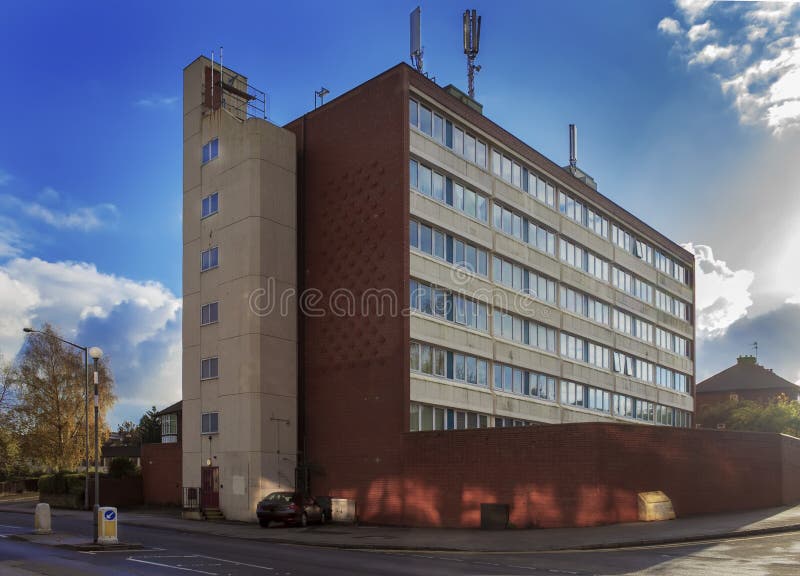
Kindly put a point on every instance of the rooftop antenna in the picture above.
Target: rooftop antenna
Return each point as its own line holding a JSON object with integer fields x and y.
{"x": 320, "y": 95}
{"x": 472, "y": 39}
{"x": 416, "y": 39}
{"x": 755, "y": 347}
{"x": 573, "y": 146}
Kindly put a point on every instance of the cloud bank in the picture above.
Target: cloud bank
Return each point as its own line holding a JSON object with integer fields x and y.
{"x": 137, "y": 324}
{"x": 752, "y": 49}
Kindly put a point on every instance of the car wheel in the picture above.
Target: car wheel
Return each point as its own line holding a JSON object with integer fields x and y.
{"x": 304, "y": 520}
{"x": 263, "y": 523}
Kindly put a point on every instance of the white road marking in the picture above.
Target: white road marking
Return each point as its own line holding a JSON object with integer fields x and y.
{"x": 194, "y": 556}
{"x": 9, "y": 526}
{"x": 170, "y": 566}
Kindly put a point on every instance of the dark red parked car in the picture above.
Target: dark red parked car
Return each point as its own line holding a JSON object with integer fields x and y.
{"x": 290, "y": 508}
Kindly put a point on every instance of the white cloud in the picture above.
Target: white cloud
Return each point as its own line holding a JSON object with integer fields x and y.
{"x": 85, "y": 218}
{"x": 701, "y": 32}
{"x": 669, "y": 26}
{"x": 11, "y": 239}
{"x": 137, "y": 324}
{"x": 48, "y": 195}
{"x": 156, "y": 101}
{"x": 711, "y": 53}
{"x": 5, "y": 177}
{"x": 722, "y": 295}
{"x": 693, "y": 9}
{"x": 755, "y": 56}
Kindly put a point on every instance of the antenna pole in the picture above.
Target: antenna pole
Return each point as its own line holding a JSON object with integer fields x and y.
{"x": 212, "y": 80}
{"x": 472, "y": 38}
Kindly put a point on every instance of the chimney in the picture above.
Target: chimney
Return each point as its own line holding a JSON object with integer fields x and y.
{"x": 572, "y": 168}
{"x": 746, "y": 360}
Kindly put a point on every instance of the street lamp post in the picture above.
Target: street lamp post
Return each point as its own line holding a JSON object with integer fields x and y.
{"x": 96, "y": 354}
{"x": 85, "y": 408}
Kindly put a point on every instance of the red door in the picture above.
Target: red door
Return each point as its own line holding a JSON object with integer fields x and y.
{"x": 210, "y": 486}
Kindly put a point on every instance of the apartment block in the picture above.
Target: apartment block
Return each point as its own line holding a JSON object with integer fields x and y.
{"x": 442, "y": 275}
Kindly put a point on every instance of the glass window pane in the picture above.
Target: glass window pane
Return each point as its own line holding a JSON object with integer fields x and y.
{"x": 425, "y": 120}
{"x": 413, "y": 113}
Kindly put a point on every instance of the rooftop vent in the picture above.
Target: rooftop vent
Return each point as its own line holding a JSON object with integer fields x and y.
{"x": 471, "y": 102}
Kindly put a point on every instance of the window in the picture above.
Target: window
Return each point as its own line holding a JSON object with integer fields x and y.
{"x": 631, "y": 284}
{"x": 436, "y": 361}
{"x": 209, "y": 259}
{"x": 209, "y": 313}
{"x": 169, "y": 428}
{"x": 579, "y": 303}
{"x": 210, "y": 205}
{"x": 209, "y": 423}
{"x": 209, "y": 368}
{"x": 445, "y": 190}
{"x": 210, "y": 150}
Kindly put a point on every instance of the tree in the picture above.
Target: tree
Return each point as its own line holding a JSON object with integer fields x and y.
{"x": 129, "y": 434}
{"x": 10, "y": 457}
{"x": 782, "y": 415}
{"x": 50, "y": 400}
{"x": 150, "y": 427}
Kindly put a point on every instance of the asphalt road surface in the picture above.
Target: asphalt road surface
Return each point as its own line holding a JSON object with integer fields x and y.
{"x": 169, "y": 552}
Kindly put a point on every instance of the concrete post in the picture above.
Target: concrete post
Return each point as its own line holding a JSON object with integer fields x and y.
{"x": 41, "y": 519}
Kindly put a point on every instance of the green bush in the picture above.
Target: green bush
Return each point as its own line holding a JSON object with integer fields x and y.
{"x": 75, "y": 483}
{"x": 53, "y": 483}
{"x": 122, "y": 467}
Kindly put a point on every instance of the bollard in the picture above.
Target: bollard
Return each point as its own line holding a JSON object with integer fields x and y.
{"x": 41, "y": 519}
{"x": 107, "y": 525}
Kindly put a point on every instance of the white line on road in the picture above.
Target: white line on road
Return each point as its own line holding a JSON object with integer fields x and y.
{"x": 171, "y": 566}
{"x": 236, "y": 563}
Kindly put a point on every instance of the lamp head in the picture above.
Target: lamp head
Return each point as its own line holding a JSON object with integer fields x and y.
{"x": 26, "y": 329}
{"x": 95, "y": 352}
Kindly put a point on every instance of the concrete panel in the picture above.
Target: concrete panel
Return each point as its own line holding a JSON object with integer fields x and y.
{"x": 586, "y": 283}
{"x": 450, "y": 219}
{"x": 450, "y": 394}
{"x": 522, "y": 408}
{"x": 586, "y": 329}
{"x": 669, "y": 284}
{"x": 584, "y": 374}
{"x": 527, "y": 358}
{"x": 448, "y": 335}
{"x": 635, "y": 265}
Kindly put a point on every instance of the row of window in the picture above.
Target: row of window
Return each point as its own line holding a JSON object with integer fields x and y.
{"x": 455, "y": 308}
{"x": 581, "y": 258}
{"x": 575, "y": 210}
{"x": 673, "y": 380}
{"x": 424, "y": 417}
{"x": 524, "y": 229}
{"x": 672, "y": 305}
{"x": 523, "y": 280}
{"x": 582, "y": 350}
{"x": 632, "y": 325}
{"x": 584, "y": 396}
{"x": 524, "y": 331}
{"x": 445, "y": 132}
{"x": 436, "y": 361}
{"x": 517, "y": 381}
{"x": 646, "y": 411}
{"x": 632, "y": 285}
{"x": 672, "y": 342}
{"x": 448, "y": 248}
{"x": 518, "y": 175}
{"x": 584, "y": 305}
{"x": 445, "y": 190}
{"x": 447, "y": 305}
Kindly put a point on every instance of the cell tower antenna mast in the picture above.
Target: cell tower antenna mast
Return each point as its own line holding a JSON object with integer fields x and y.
{"x": 472, "y": 40}
{"x": 416, "y": 39}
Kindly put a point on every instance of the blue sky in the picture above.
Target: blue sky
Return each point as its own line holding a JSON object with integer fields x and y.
{"x": 688, "y": 116}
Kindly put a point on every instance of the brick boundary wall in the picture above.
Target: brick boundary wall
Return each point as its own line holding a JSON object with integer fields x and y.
{"x": 161, "y": 474}
{"x": 581, "y": 474}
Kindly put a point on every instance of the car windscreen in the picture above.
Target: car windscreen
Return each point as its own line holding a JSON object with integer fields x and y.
{"x": 280, "y": 498}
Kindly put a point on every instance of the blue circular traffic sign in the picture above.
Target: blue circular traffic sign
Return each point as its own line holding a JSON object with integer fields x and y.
{"x": 109, "y": 514}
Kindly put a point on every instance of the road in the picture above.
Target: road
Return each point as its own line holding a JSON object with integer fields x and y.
{"x": 169, "y": 552}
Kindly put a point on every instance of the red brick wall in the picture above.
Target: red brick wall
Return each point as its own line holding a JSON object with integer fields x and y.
{"x": 161, "y": 474}
{"x": 588, "y": 474}
{"x": 353, "y": 207}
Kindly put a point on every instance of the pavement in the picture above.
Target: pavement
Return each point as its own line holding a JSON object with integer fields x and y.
{"x": 681, "y": 530}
